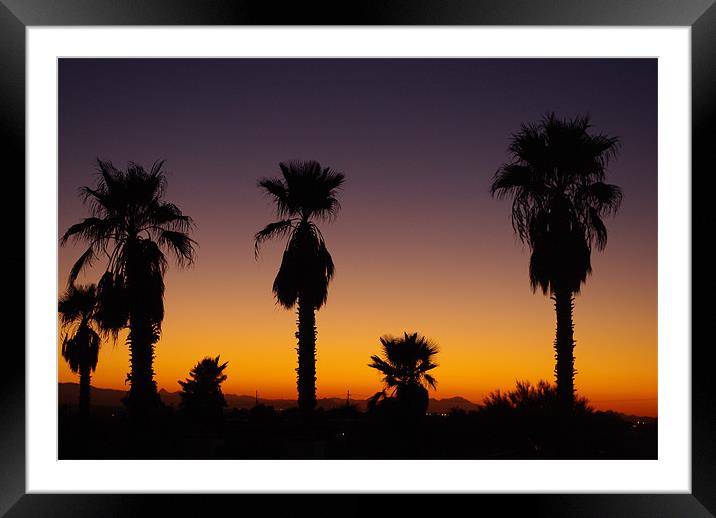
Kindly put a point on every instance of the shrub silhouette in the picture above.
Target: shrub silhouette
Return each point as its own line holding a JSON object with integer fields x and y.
{"x": 540, "y": 399}
{"x": 201, "y": 395}
{"x": 528, "y": 419}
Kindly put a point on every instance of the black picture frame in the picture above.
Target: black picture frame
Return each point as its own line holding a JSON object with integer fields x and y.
{"x": 700, "y": 15}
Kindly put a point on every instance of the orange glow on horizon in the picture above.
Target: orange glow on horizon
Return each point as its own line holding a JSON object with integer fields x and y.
{"x": 492, "y": 331}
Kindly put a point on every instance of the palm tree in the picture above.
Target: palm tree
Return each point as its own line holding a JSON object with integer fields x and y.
{"x": 405, "y": 367}
{"x": 556, "y": 181}
{"x": 131, "y": 225}
{"x": 80, "y": 344}
{"x": 307, "y": 192}
{"x": 201, "y": 394}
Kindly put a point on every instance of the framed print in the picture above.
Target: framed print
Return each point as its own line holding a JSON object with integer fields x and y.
{"x": 289, "y": 250}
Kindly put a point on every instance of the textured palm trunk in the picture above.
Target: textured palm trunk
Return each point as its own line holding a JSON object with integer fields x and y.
{"x": 143, "y": 396}
{"x": 306, "y": 371}
{"x": 564, "y": 349}
{"x": 84, "y": 392}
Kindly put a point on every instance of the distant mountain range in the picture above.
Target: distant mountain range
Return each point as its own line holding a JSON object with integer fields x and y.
{"x": 69, "y": 393}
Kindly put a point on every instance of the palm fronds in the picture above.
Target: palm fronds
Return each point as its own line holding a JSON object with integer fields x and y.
{"x": 306, "y": 190}
{"x": 406, "y": 361}
{"x": 559, "y": 198}
{"x": 80, "y": 343}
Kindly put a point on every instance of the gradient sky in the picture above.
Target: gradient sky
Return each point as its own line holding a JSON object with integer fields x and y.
{"x": 419, "y": 245}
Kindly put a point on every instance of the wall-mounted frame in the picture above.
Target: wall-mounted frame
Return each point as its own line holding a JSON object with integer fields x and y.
{"x": 17, "y": 15}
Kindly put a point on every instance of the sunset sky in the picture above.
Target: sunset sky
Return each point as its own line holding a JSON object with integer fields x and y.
{"x": 419, "y": 244}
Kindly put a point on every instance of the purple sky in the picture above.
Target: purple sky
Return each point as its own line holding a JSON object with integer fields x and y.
{"x": 396, "y": 127}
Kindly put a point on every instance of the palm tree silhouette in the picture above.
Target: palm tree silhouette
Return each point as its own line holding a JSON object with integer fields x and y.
{"x": 131, "y": 224}
{"x": 405, "y": 367}
{"x": 556, "y": 181}
{"x": 81, "y": 342}
{"x": 306, "y": 192}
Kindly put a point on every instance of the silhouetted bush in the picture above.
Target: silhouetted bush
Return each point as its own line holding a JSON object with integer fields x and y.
{"x": 201, "y": 396}
{"x": 530, "y": 421}
{"x": 540, "y": 399}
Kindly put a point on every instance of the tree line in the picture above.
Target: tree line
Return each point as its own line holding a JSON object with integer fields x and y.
{"x": 555, "y": 177}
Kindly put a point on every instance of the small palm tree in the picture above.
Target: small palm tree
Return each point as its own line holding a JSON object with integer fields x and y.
{"x": 201, "y": 395}
{"x": 405, "y": 367}
{"x": 307, "y": 192}
{"x": 132, "y": 226}
{"x": 556, "y": 181}
{"x": 81, "y": 342}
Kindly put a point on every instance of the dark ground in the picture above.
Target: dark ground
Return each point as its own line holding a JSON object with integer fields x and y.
{"x": 345, "y": 433}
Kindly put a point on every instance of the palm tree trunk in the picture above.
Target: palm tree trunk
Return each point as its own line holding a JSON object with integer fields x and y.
{"x": 143, "y": 396}
{"x": 564, "y": 349}
{"x": 84, "y": 392}
{"x": 306, "y": 371}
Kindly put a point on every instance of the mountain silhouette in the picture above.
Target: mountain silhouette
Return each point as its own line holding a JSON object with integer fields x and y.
{"x": 68, "y": 394}
{"x": 102, "y": 397}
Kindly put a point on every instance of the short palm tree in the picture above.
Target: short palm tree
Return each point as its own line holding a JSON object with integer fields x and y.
{"x": 131, "y": 225}
{"x": 405, "y": 365}
{"x": 81, "y": 342}
{"x": 307, "y": 192}
{"x": 559, "y": 197}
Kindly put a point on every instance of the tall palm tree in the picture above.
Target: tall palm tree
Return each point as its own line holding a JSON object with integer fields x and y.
{"x": 81, "y": 342}
{"x": 559, "y": 197}
{"x": 131, "y": 225}
{"x": 307, "y": 192}
{"x": 405, "y": 367}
